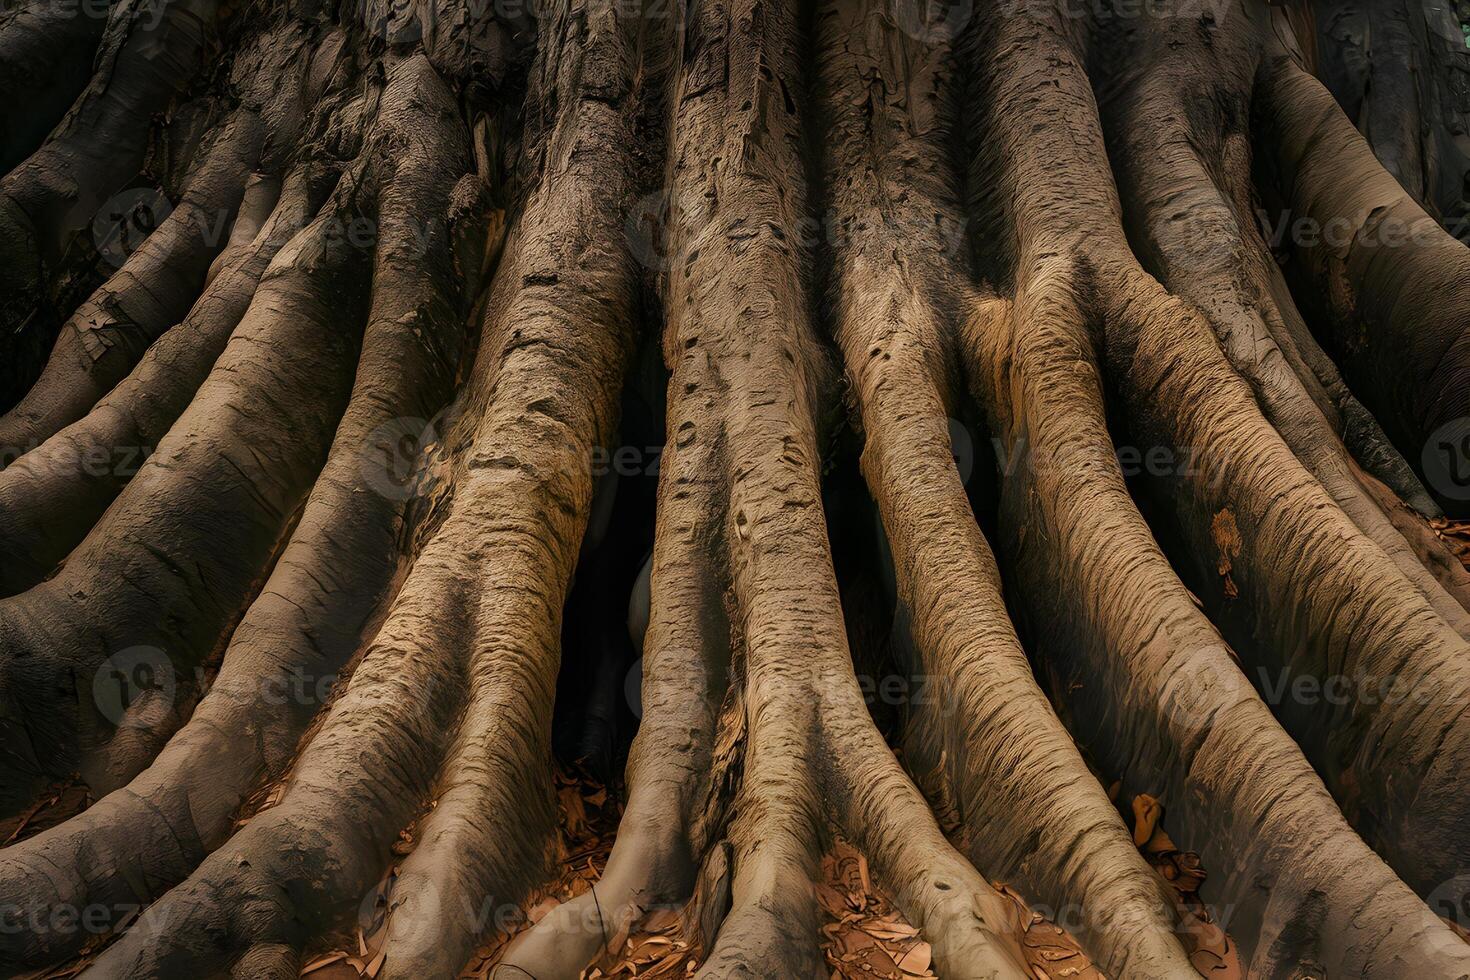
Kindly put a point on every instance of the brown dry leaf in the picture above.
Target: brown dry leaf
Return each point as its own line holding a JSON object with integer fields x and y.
{"x": 889, "y": 931}
{"x": 1211, "y": 950}
{"x": 865, "y": 936}
{"x": 1050, "y": 951}
{"x": 321, "y": 962}
{"x": 573, "y": 812}
{"x": 653, "y": 947}
{"x": 660, "y": 921}
{"x": 1456, "y": 536}
{"x": 916, "y": 960}
{"x": 1146, "y": 814}
{"x": 833, "y": 902}
{"x": 60, "y": 802}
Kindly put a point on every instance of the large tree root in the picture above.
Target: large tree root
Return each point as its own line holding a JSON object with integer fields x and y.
{"x": 1168, "y": 707}
{"x": 54, "y": 494}
{"x": 161, "y": 279}
{"x": 751, "y": 391}
{"x": 329, "y": 582}
{"x": 750, "y": 397}
{"x": 985, "y": 726}
{"x": 1344, "y": 611}
{"x": 1396, "y": 68}
{"x": 272, "y": 536}
{"x": 169, "y": 570}
{"x": 458, "y": 679}
{"x": 106, "y": 336}
{"x": 148, "y": 53}
{"x": 46, "y": 52}
{"x": 1376, "y": 265}
{"x": 1167, "y": 120}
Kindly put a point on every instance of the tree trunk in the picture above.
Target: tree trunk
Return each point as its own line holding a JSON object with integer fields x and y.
{"x": 330, "y": 334}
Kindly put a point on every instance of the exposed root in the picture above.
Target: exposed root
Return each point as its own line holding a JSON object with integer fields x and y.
{"x": 1168, "y": 706}
{"x": 54, "y": 494}
{"x": 46, "y": 53}
{"x": 165, "y": 576}
{"x": 1196, "y": 218}
{"x": 985, "y": 724}
{"x": 749, "y": 401}
{"x": 1389, "y": 287}
{"x": 1394, "y": 67}
{"x": 153, "y": 290}
{"x": 326, "y": 589}
{"x": 458, "y": 680}
{"x": 147, "y": 54}
{"x": 162, "y": 278}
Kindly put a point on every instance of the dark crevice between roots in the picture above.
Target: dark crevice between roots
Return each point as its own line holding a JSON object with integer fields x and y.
{"x": 597, "y": 696}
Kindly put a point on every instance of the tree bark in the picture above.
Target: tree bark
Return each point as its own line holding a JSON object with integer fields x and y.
{"x": 305, "y": 650}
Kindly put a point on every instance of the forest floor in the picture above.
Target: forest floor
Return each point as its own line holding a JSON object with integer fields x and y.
{"x": 864, "y": 936}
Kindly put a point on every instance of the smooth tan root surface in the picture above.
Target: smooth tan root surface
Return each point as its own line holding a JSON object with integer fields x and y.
{"x": 1034, "y": 560}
